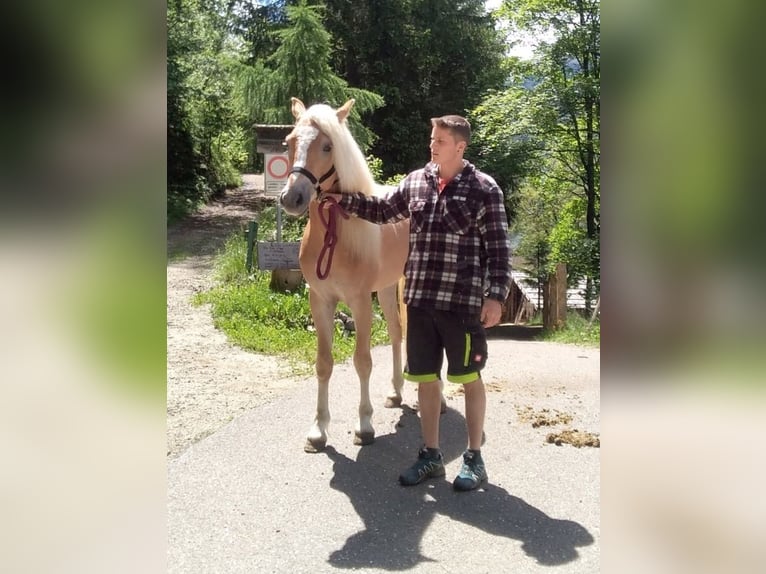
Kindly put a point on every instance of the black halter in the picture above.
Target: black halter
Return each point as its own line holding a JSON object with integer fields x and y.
{"x": 317, "y": 183}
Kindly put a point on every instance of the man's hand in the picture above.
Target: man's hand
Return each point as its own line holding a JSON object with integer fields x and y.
{"x": 490, "y": 313}
{"x": 335, "y": 196}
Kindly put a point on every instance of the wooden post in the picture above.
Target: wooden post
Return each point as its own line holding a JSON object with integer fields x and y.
{"x": 285, "y": 280}
{"x": 555, "y": 299}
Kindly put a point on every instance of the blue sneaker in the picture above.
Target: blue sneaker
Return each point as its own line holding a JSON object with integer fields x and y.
{"x": 428, "y": 465}
{"x": 473, "y": 473}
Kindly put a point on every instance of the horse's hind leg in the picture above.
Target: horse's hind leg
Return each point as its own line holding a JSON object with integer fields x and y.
{"x": 361, "y": 309}
{"x": 322, "y": 312}
{"x": 388, "y": 303}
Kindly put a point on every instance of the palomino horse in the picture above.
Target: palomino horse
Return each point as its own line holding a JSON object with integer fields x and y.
{"x": 342, "y": 258}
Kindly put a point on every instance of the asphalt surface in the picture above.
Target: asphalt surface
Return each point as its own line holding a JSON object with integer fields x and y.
{"x": 247, "y": 499}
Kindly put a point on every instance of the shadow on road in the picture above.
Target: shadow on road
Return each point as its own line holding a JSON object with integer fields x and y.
{"x": 396, "y": 518}
{"x": 515, "y": 332}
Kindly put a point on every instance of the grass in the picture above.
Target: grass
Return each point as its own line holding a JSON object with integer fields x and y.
{"x": 273, "y": 323}
{"x": 575, "y": 332}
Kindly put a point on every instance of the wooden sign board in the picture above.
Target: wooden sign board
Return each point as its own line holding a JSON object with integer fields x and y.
{"x": 278, "y": 255}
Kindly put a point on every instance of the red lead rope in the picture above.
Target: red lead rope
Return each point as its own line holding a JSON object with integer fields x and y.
{"x": 330, "y": 222}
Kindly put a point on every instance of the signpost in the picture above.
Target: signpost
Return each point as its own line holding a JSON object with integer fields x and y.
{"x": 275, "y": 173}
{"x": 278, "y": 256}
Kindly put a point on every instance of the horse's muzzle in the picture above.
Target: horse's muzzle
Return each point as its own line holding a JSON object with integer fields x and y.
{"x": 295, "y": 198}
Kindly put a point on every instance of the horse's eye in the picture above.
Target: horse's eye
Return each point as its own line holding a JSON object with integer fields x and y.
{"x": 327, "y": 148}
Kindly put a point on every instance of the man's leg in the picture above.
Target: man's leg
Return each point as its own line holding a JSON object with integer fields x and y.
{"x": 424, "y": 359}
{"x": 429, "y": 402}
{"x": 475, "y": 409}
{"x": 430, "y": 461}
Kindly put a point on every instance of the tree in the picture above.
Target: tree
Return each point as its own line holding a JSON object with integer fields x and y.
{"x": 561, "y": 112}
{"x": 300, "y": 68}
{"x": 205, "y": 140}
{"x": 425, "y": 57}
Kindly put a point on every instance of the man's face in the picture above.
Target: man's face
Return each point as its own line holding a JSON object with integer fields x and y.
{"x": 445, "y": 150}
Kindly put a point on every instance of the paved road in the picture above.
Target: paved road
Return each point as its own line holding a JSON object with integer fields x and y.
{"x": 247, "y": 499}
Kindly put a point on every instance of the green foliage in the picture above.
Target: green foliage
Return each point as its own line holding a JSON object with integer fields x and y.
{"x": 425, "y": 57}
{"x": 376, "y": 169}
{"x": 576, "y": 331}
{"x": 300, "y": 68}
{"x": 542, "y": 136}
{"x": 206, "y": 143}
{"x": 229, "y": 156}
{"x": 260, "y": 320}
{"x": 506, "y": 142}
{"x": 570, "y": 244}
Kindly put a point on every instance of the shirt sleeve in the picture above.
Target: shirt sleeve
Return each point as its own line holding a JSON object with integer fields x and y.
{"x": 493, "y": 225}
{"x": 394, "y": 207}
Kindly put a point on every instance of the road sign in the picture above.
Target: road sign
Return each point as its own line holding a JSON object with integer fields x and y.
{"x": 275, "y": 176}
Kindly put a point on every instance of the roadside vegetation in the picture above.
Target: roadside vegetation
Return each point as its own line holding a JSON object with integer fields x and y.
{"x": 576, "y": 331}
{"x": 264, "y": 321}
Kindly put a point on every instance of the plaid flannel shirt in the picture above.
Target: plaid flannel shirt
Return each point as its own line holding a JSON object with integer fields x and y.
{"x": 459, "y": 245}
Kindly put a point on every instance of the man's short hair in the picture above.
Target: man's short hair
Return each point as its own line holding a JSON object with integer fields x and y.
{"x": 457, "y": 125}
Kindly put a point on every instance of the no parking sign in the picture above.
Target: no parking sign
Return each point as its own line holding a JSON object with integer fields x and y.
{"x": 276, "y": 172}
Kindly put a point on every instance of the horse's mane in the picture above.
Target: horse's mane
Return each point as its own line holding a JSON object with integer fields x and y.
{"x": 350, "y": 164}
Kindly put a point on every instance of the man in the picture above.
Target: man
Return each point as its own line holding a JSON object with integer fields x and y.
{"x": 456, "y": 278}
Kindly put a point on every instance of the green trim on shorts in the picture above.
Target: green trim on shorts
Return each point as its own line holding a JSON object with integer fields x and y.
{"x": 463, "y": 379}
{"x": 421, "y": 378}
{"x": 467, "y": 349}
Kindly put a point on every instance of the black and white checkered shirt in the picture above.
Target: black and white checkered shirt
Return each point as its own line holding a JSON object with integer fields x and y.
{"x": 459, "y": 245}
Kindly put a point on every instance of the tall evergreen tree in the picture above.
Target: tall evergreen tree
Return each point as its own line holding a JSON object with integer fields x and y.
{"x": 300, "y": 67}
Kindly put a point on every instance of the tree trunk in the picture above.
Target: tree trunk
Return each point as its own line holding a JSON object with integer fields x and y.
{"x": 555, "y": 299}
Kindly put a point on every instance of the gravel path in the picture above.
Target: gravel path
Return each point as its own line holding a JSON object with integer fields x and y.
{"x": 209, "y": 380}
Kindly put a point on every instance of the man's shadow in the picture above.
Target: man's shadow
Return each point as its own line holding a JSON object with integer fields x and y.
{"x": 396, "y": 517}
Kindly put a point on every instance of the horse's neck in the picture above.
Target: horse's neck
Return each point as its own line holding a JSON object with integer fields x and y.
{"x": 357, "y": 236}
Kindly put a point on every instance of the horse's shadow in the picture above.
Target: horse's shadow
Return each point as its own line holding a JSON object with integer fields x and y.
{"x": 396, "y": 518}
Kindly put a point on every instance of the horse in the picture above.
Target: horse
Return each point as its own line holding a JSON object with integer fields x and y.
{"x": 342, "y": 258}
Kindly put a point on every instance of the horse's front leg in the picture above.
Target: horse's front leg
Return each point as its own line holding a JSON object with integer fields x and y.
{"x": 361, "y": 309}
{"x": 388, "y": 303}
{"x": 322, "y": 312}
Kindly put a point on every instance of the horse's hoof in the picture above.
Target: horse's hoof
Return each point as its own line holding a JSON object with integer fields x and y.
{"x": 393, "y": 402}
{"x": 364, "y": 438}
{"x": 315, "y": 445}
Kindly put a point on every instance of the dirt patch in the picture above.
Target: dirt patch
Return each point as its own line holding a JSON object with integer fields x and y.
{"x": 543, "y": 417}
{"x": 575, "y": 438}
{"x": 455, "y": 390}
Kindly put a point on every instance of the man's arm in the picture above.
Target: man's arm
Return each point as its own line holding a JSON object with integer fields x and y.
{"x": 395, "y": 207}
{"x": 494, "y": 228}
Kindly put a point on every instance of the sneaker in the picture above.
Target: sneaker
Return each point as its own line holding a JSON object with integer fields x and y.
{"x": 428, "y": 465}
{"x": 472, "y": 473}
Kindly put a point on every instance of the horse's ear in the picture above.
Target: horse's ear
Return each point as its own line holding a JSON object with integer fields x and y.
{"x": 297, "y": 107}
{"x": 344, "y": 110}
